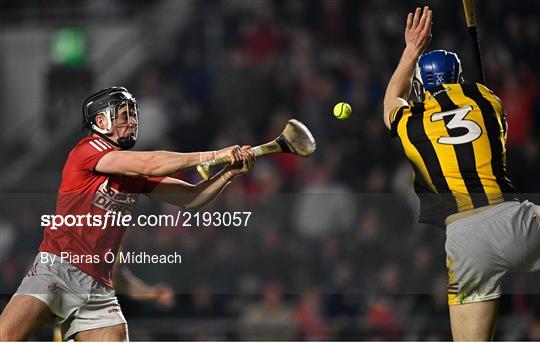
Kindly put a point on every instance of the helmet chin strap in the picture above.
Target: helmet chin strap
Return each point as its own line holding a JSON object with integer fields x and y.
{"x": 124, "y": 143}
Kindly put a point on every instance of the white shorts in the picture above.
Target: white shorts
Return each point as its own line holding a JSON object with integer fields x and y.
{"x": 77, "y": 300}
{"x": 482, "y": 248}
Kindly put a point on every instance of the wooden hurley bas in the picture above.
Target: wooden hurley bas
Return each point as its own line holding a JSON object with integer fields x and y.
{"x": 295, "y": 139}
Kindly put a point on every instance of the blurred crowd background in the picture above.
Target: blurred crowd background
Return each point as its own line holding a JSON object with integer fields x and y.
{"x": 333, "y": 249}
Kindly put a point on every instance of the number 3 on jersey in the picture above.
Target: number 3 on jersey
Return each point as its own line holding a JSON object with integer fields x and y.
{"x": 473, "y": 129}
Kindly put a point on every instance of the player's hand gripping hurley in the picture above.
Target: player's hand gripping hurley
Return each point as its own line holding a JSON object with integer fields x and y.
{"x": 295, "y": 139}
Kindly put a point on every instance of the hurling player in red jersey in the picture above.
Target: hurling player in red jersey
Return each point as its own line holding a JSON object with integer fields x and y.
{"x": 70, "y": 278}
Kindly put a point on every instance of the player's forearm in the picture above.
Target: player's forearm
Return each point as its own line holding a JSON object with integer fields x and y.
{"x": 164, "y": 163}
{"x": 150, "y": 163}
{"x": 181, "y": 193}
{"x": 400, "y": 83}
{"x": 208, "y": 190}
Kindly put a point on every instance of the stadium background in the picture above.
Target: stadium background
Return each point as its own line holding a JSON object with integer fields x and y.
{"x": 333, "y": 250}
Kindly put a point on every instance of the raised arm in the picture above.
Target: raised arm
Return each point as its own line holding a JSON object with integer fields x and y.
{"x": 417, "y": 38}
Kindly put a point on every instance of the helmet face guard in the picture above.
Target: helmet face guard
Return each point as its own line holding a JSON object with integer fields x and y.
{"x": 119, "y": 108}
{"x": 129, "y": 118}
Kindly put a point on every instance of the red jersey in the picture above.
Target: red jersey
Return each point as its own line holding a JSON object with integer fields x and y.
{"x": 86, "y": 192}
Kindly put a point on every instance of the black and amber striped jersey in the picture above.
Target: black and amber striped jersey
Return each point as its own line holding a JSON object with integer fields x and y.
{"x": 456, "y": 143}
